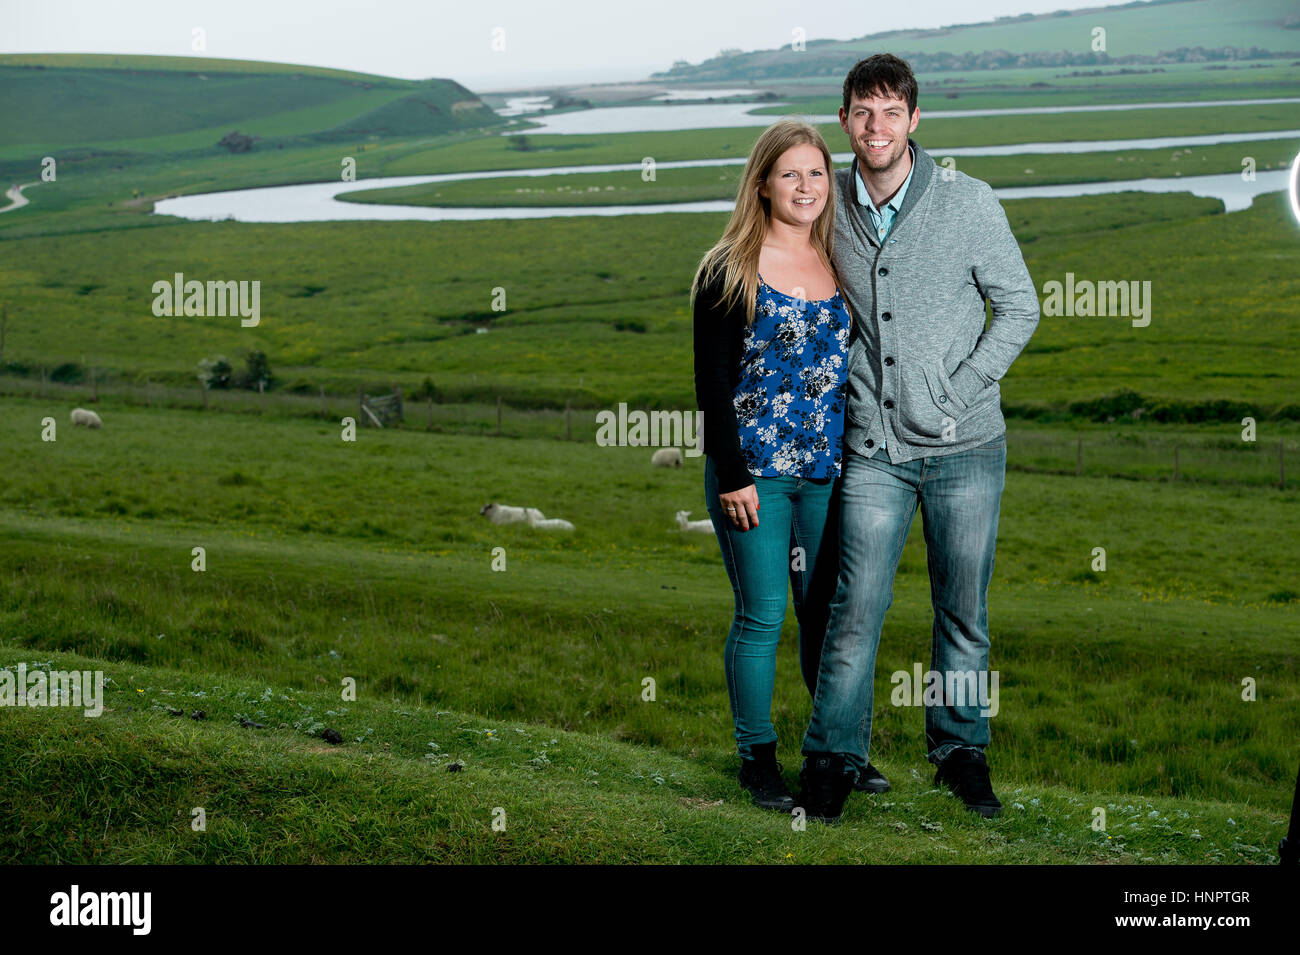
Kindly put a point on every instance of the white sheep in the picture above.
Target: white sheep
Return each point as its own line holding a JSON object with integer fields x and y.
{"x": 667, "y": 458}
{"x": 686, "y": 525}
{"x": 505, "y": 514}
{"x": 88, "y": 418}
{"x": 551, "y": 524}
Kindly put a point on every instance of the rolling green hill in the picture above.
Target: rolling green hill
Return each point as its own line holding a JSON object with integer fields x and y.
{"x": 1131, "y": 29}
{"x": 53, "y": 101}
{"x": 1158, "y": 31}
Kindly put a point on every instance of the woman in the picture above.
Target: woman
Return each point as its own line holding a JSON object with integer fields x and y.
{"x": 771, "y": 345}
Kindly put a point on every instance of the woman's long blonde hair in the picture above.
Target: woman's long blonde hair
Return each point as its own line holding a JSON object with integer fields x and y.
{"x": 736, "y": 254}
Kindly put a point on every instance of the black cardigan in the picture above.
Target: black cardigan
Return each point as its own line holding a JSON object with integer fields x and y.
{"x": 719, "y": 343}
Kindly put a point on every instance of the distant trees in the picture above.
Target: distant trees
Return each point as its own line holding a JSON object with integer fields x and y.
{"x": 830, "y": 60}
{"x": 569, "y": 102}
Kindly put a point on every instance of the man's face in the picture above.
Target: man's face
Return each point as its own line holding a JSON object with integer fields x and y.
{"x": 877, "y": 127}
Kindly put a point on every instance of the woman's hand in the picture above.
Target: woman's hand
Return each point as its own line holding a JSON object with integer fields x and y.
{"x": 741, "y": 507}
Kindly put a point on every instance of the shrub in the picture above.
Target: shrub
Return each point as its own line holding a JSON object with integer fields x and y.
{"x": 215, "y": 372}
{"x": 69, "y": 373}
{"x": 257, "y": 368}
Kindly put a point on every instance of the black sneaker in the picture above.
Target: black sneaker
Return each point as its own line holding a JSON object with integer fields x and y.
{"x": 871, "y": 780}
{"x": 824, "y": 784}
{"x": 966, "y": 773}
{"x": 761, "y": 777}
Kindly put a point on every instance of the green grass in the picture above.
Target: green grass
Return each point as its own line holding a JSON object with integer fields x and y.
{"x": 171, "y": 104}
{"x": 280, "y": 796}
{"x": 1132, "y": 29}
{"x": 392, "y": 303}
{"x": 176, "y": 64}
{"x": 327, "y": 560}
{"x": 1120, "y": 688}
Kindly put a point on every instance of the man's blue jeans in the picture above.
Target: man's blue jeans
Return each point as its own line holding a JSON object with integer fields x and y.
{"x": 763, "y": 566}
{"x": 960, "y": 496}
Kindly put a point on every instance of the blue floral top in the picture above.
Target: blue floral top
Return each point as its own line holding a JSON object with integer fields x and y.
{"x": 790, "y": 399}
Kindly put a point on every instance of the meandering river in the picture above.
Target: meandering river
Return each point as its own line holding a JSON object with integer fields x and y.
{"x": 317, "y": 201}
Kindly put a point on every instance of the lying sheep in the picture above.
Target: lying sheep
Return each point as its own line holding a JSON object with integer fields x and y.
{"x": 667, "y": 458}
{"x": 685, "y": 525}
{"x": 88, "y": 418}
{"x": 551, "y": 524}
{"x": 505, "y": 514}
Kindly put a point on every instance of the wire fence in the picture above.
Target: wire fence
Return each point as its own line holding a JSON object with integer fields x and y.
{"x": 1151, "y": 454}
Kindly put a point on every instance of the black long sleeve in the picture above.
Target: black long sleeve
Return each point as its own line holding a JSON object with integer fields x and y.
{"x": 719, "y": 338}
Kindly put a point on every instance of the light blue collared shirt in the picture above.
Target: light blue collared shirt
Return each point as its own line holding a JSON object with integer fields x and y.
{"x": 883, "y": 219}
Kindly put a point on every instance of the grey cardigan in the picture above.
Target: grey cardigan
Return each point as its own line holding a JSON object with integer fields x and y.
{"x": 923, "y": 370}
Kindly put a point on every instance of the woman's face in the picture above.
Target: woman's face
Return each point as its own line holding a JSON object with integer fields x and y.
{"x": 797, "y": 185}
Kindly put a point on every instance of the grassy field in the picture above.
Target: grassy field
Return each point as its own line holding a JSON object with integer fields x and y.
{"x": 174, "y": 104}
{"x": 327, "y": 560}
{"x": 352, "y": 304}
{"x": 1131, "y": 29}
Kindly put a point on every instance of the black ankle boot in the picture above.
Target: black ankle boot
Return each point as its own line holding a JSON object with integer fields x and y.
{"x": 871, "y": 780}
{"x": 824, "y": 784}
{"x": 761, "y": 777}
{"x": 966, "y": 773}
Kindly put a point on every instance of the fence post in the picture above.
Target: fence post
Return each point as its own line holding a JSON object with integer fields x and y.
{"x": 1175, "y": 460}
{"x": 261, "y": 398}
{"x": 397, "y": 400}
{"x": 498, "y": 415}
{"x": 568, "y": 423}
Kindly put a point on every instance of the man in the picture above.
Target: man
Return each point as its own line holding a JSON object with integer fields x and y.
{"x": 919, "y": 250}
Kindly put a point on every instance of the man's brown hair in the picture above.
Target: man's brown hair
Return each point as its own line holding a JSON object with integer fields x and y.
{"x": 881, "y": 75}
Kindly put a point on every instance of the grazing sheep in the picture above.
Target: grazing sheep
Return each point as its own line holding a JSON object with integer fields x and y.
{"x": 505, "y": 514}
{"x": 88, "y": 418}
{"x": 685, "y": 525}
{"x": 667, "y": 458}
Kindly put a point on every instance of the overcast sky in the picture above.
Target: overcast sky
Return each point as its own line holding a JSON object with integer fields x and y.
{"x": 556, "y": 42}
